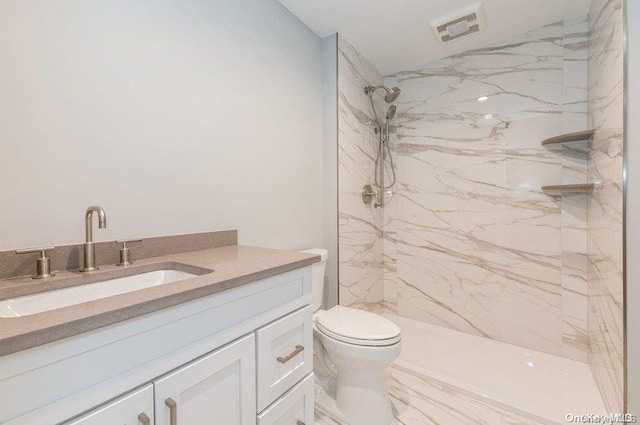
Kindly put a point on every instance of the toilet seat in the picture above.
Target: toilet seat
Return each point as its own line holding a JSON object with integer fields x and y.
{"x": 357, "y": 327}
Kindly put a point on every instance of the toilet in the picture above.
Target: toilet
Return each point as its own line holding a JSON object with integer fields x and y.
{"x": 355, "y": 347}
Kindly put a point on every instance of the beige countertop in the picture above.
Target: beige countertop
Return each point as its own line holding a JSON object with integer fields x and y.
{"x": 232, "y": 266}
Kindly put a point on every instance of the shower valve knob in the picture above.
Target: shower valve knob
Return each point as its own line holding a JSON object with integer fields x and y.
{"x": 368, "y": 194}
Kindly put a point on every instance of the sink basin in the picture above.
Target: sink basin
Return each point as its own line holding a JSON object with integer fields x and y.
{"x": 110, "y": 286}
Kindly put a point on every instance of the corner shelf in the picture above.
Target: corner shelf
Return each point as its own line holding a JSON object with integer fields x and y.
{"x": 569, "y": 137}
{"x": 556, "y": 190}
{"x": 575, "y": 188}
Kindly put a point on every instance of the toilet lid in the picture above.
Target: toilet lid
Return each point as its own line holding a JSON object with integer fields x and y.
{"x": 357, "y": 327}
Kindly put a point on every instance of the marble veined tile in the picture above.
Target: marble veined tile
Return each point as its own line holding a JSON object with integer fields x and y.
{"x": 361, "y": 272}
{"x": 605, "y": 243}
{"x": 477, "y": 244}
{"x": 418, "y": 401}
{"x": 575, "y": 340}
{"x": 575, "y": 74}
{"x": 468, "y": 240}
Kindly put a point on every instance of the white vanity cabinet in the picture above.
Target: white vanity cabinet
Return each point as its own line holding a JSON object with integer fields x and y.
{"x": 203, "y": 361}
{"x": 135, "y": 408}
{"x": 218, "y": 388}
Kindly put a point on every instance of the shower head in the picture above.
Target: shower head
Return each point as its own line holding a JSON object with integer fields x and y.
{"x": 391, "y": 112}
{"x": 392, "y": 94}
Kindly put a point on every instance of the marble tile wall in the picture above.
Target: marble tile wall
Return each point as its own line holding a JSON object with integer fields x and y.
{"x": 605, "y": 231}
{"x": 359, "y": 225}
{"x": 474, "y": 244}
{"x": 469, "y": 241}
{"x": 574, "y": 206}
{"x": 389, "y": 227}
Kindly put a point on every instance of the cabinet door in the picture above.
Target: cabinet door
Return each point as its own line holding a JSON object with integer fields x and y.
{"x": 135, "y": 408}
{"x": 218, "y": 388}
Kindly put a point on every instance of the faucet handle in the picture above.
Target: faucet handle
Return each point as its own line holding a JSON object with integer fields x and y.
{"x": 124, "y": 243}
{"x": 124, "y": 252}
{"x": 43, "y": 264}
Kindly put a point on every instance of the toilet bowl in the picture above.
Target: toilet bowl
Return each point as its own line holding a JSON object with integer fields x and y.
{"x": 355, "y": 347}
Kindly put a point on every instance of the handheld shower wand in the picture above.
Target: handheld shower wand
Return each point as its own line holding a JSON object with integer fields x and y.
{"x": 385, "y": 144}
{"x": 391, "y": 112}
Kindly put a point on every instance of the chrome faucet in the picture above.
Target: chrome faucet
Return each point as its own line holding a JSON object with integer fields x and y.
{"x": 89, "y": 251}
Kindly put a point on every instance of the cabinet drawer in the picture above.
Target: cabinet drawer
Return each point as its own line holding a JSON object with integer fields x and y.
{"x": 284, "y": 354}
{"x": 294, "y": 408}
{"x": 135, "y": 408}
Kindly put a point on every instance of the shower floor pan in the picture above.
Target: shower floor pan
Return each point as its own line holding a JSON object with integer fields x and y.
{"x": 532, "y": 384}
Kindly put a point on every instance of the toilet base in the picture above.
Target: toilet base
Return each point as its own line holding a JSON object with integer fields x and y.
{"x": 326, "y": 389}
{"x": 325, "y": 403}
{"x": 363, "y": 398}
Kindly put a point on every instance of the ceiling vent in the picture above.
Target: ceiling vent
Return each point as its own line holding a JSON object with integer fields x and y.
{"x": 459, "y": 24}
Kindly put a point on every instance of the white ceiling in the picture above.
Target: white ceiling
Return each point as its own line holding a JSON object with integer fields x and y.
{"x": 394, "y": 35}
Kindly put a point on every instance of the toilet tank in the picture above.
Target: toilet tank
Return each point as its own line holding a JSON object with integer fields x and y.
{"x": 317, "y": 276}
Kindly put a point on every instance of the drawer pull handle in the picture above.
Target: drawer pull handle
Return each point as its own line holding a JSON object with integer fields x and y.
{"x": 173, "y": 411}
{"x": 144, "y": 419}
{"x": 300, "y": 423}
{"x": 299, "y": 349}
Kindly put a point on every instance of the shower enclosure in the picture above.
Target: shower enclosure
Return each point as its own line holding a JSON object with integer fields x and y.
{"x": 470, "y": 244}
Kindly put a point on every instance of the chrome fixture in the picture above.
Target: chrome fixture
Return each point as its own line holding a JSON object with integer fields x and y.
{"x": 43, "y": 264}
{"x": 89, "y": 251}
{"x": 382, "y": 130}
{"x": 124, "y": 252}
{"x": 391, "y": 112}
{"x": 368, "y": 194}
{"x": 391, "y": 95}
